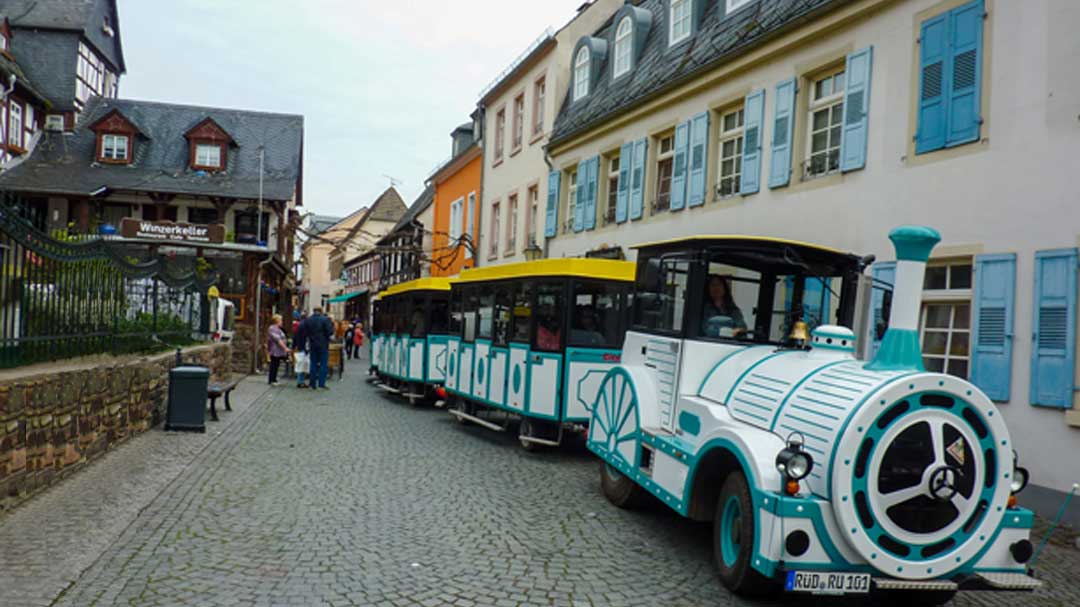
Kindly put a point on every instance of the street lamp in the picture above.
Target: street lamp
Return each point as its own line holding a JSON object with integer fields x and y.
{"x": 533, "y": 252}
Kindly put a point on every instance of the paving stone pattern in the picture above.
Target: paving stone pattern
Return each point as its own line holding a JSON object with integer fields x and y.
{"x": 350, "y": 497}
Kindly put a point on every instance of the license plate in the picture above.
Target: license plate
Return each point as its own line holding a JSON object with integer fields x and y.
{"x": 826, "y": 582}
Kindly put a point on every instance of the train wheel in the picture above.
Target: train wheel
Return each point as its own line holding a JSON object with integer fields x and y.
{"x": 620, "y": 489}
{"x": 459, "y": 404}
{"x": 526, "y": 429}
{"x": 733, "y": 539}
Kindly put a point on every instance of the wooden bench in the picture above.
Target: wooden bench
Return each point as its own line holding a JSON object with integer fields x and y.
{"x": 221, "y": 388}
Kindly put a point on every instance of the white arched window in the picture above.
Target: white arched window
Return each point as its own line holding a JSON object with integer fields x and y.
{"x": 623, "y": 46}
{"x": 581, "y": 73}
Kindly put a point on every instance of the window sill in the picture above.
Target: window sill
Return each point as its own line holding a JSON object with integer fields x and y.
{"x": 536, "y": 137}
{"x": 113, "y": 162}
{"x": 515, "y": 151}
{"x": 14, "y": 149}
{"x": 1072, "y": 417}
{"x": 199, "y": 167}
{"x": 493, "y": 256}
{"x": 497, "y": 162}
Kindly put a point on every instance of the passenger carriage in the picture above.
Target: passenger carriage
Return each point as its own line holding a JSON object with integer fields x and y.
{"x": 408, "y": 346}
{"x": 744, "y": 404}
{"x": 534, "y": 340}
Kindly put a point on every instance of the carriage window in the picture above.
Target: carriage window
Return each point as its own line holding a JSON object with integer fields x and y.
{"x": 440, "y": 315}
{"x": 486, "y": 312}
{"x": 456, "y": 313}
{"x": 820, "y": 295}
{"x": 730, "y": 301}
{"x": 502, "y": 316}
{"x": 472, "y": 302}
{"x": 522, "y": 313}
{"x": 418, "y": 317}
{"x": 595, "y": 316}
{"x": 549, "y": 315}
{"x": 660, "y": 300}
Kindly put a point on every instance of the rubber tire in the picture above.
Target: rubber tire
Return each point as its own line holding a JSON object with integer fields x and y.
{"x": 740, "y": 578}
{"x": 619, "y": 489}
{"x": 526, "y": 429}
{"x": 914, "y": 598}
{"x": 460, "y": 405}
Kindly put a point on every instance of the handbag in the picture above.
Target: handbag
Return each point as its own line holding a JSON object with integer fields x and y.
{"x": 302, "y": 364}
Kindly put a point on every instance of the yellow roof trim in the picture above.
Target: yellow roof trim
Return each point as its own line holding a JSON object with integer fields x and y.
{"x": 739, "y": 237}
{"x": 420, "y": 284}
{"x": 603, "y": 269}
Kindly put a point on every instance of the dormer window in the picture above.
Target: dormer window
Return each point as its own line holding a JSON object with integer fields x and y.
{"x": 208, "y": 156}
{"x": 209, "y": 145}
{"x": 624, "y": 46}
{"x": 581, "y": 74}
{"x": 114, "y": 148}
{"x": 115, "y": 138}
{"x": 680, "y": 21}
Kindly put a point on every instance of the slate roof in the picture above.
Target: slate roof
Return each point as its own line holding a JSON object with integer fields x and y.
{"x": 65, "y": 163}
{"x": 718, "y": 39}
{"x": 422, "y": 202}
{"x": 321, "y": 223}
{"x": 7, "y": 66}
{"x": 387, "y": 207}
{"x": 84, "y": 16}
{"x": 50, "y": 60}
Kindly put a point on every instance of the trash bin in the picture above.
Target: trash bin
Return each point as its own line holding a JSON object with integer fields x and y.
{"x": 187, "y": 399}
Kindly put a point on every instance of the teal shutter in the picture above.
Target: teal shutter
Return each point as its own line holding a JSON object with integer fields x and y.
{"x": 856, "y": 109}
{"x": 992, "y": 318}
{"x": 626, "y": 156}
{"x": 965, "y": 73}
{"x": 552, "y": 212}
{"x": 593, "y": 167}
{"x": 580, "y": 190}
{"x": 933, "y": 42}
{"x": 783, "y": 119}
{"x": 699, "y": 155}
{"x": 637, "y": 179}
{"x": 678, "y": 172}
{"x": 1053, "y": 344}
{"x": 884, "y": 273}
{"x": 754, "y": 116}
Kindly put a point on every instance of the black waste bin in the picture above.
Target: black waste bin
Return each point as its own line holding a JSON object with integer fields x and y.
{"x": 187, "y": 399}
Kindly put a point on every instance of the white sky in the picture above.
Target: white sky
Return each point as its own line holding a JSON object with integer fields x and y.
{"x": 380, "y": 84}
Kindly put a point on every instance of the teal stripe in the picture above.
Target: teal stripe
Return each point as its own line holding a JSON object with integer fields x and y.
{"x": 809, "y": 410}
{"x": 827, "y": 393}
{"x": 752, "y": 367}
{"x": 842, "y": 378}
{"x": 795, "y": 389}
{"x": 803, "y": 432}
{"x": 837, "y": 386}
{"x": 806, "y": 421}
{"x": 772, "y": 379}
{"x": 822, "y": 403}
{"x": 722, "y": 361}
{"x": 749, "y": 414}
{"x": 755, "y": 394}
{"x": 770, "y": 389}
{"x": 752, "y": 404}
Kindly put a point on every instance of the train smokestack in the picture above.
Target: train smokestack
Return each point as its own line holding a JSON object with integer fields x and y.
{"x": 900, "y": 347}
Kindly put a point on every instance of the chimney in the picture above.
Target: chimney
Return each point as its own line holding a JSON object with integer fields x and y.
{"x": 899, "y": 348}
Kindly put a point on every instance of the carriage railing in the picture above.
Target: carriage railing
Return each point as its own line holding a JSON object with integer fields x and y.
{"x": 66, "y": 296}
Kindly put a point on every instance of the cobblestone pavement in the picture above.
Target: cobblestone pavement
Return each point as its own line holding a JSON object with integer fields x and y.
{"x": 349, "y": 497}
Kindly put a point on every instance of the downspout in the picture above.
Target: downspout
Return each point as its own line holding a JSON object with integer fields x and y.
{"x": 258, "y": 280}
{"x": 12, "y": 78}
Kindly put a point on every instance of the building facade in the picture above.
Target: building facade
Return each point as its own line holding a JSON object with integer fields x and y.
{"x": 404, "y": 253}
{"x": 318, "y": 284}
{"x": 23, "y": 105}
{"x": 456, "y": 204}
{"x": 833, "y": 122}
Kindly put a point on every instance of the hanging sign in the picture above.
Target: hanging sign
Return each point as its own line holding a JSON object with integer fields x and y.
{"x": 172, "y": 232}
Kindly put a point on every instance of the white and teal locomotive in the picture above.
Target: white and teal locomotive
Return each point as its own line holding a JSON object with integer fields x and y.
{"x": 739, "y": 399}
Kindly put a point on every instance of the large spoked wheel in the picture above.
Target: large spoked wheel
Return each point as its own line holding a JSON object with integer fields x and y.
{"x": 733, "y": 539}
{"x": 618, "y": 489}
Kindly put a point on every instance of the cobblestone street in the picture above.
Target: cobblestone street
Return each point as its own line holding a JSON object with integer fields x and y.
{"x": 349, "y": 497}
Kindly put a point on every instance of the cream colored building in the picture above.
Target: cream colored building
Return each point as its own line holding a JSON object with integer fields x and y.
{"x": 833, "y": 122}
{"x": 519, "y": 110}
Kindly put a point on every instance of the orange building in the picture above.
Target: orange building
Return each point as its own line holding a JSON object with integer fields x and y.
{"x": 457, "y": 206}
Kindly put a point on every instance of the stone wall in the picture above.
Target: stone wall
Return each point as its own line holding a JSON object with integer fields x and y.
{"x": 56, "y": 418}
{"x": 241, "y": 352}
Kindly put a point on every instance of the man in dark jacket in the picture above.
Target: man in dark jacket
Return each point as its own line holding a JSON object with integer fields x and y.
{"x": 319, "y": 331}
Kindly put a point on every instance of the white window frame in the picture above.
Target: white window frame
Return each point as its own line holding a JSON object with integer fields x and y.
{"x": 519, "y": 122}
{"x": 614, "y": 162}
{"x": 734, "y": 135}
{"x": 54, "y": 122}
{"x": 676, "y": 23}
{"x": 531, "y": 211}
{"x": 114, "y": 146}
{"x": 952, "y": 297}
{"x": 203, "y": 157}
{"x": 571, "y": 201}
{"x": 493, "y": 249}
{"x": 15, "y": 124}
{"x": 539, "y": 93}
{"x": 734, "y": 5}
{"x": 500, "y": 132}
{"x": 661, "y": 156}
{"x": 817, "y": 104}
{"x": 511, "y": 223}
{"x": 457, "y": 215}
{"x": 581, "y": 73}
{"x": 623, "y": 47}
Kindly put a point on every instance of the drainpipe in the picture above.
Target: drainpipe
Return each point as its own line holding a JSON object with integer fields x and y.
{"x": 258, "y": 279}
{"x": 12, "y": 78}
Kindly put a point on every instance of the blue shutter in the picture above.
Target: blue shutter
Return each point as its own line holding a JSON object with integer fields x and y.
{"x": 933, "y": 49}
{"x": 579, "y": 195}
{"x": 552, "y": 212}
{"x": 992, "y": 319}
{"x": 593, "y": 167}
{"x": 751, "y": 160}
{"x": 783, "y": 119}
{"x": 1053, "y": 344}
{"x": 622, "y": 198}
{"x": 699, "y": 153}
{"x": 884, "y": 272}
{"x": 637, "y": 179}
{"x": 965, "y": 73}
{"x": 856, "y": 109}
{"x": 678, "y": 171}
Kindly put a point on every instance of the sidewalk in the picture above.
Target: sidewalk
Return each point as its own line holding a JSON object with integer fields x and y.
{"x": 51, "y": 539}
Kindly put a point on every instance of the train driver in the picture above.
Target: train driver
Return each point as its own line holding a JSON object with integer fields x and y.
{"x": 720, "y": 316}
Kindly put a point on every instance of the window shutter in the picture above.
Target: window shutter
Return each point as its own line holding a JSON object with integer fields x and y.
{"x": 626, "y": 156}
{"x": 552, "y": 212}
{"x": 933, "y": 39}
{"x": 1053, "y": 344}
{"x": 856, "y": 109}
{"x": 780, "y": 169}
{"x": 678, "y": 170}
{"x": 751, "y": 160}
{"x": 992, "y": 316}
{"x": 637, "y": 179}
{"x": 580, "y": 191}
{"x": 884, "y": 272}
{"x": 593, "y": 166}
{"x": 965, "y": 73}
{"x": 699, "y": 155}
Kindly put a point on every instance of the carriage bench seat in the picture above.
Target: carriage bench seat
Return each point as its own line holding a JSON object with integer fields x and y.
{"x": 218, "y": 389}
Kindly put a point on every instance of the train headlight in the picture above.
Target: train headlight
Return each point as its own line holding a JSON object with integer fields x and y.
{"x": 1019, "y": 476}
{"x": 794, "y": 462}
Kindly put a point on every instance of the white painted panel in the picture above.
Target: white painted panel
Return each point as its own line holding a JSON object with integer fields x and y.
{"x": 662, "y": 362}
{"x": 481, "y": 371}
{"x": 998, "y": 556}
{"x": 416, "y": 361}
{"x": 816, "y": 553}
{"x": 453, "y": 353}
{"x": 518, "y": 362}
{"x": 497, "y": 381}
{"x": 465, "y": 369}
{"x": 582, "y": 383}
{"x": 437, "y": 359}
{"x": 669, "y": 473}
{"x": 544, "y": 385}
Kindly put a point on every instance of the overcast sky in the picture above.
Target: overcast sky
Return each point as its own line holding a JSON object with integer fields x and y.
{"x": 380, "y": 84}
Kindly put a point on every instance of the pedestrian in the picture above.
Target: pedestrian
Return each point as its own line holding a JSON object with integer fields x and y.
{"x": 279, "y": 351}
{"x": 303, "y": 360}
{"x": 349, "y": 341}
{"x": 358, "y": 339}
{"x": 319, "y": 331}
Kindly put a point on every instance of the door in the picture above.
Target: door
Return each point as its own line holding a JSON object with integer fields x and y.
{"x": 545, "y": 358}
{"x": 500, "y": 354}
{"x": 518, "y": 355}
{"x": 594, "y": 343}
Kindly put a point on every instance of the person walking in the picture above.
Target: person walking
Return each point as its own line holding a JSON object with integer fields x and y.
{"x": 279, "y": 351}
{"x": 358, "y": 339}
{"x": 349, "y": 341}
{"x": 319, "y": 331}
{"x": 303, "y": 360}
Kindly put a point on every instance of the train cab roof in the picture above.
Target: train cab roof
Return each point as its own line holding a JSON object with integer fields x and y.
{"x": 778, "y": 254}
{"x": 600, "y": 269}
{"x": 420, "y": 284}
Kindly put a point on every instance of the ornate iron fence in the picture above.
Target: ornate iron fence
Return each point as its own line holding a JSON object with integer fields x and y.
{"x": 63, "y": 295}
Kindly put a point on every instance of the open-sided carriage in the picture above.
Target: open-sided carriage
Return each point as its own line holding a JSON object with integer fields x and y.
{"x": 821, "y": 473}
{"x": 534, "y": 340}
{"x": 408, "y": 343}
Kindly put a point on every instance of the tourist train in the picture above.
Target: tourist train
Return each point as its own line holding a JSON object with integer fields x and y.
{"x": 409, "y": 337}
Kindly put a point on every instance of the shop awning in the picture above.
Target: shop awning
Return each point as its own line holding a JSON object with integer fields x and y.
{"x": 348, "y": 296}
